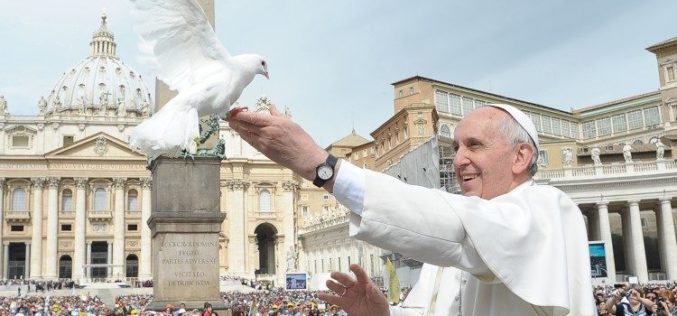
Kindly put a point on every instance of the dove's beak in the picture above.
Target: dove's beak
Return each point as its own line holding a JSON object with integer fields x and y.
{"x": 266, "y": 75}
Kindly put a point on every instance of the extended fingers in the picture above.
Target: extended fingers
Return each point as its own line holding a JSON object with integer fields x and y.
{"x": 331, "y": 299}
{"x": 341, "y": 297}
{"x": 337, "y": 288}
{"x": 274, "y": 111}
{"x": 360, "y": 274}
{"x": 253, "y": 118}
{"x": 343, "y": 278}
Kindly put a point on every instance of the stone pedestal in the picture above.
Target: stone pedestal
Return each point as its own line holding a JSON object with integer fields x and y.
{"x": 185, "y": 223}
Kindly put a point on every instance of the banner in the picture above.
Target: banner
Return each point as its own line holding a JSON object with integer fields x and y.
{"x": 296, "y": 281}
{"x": 394, "y": 283}
{"x": 597, "y": 259}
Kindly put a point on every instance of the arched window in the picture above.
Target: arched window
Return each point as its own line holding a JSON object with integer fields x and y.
{"x": 100, "y": 199}
{"x": 264, "y": 201}
{"x": 444, "y": 131}
{"x": 132, "y": 266}
{"x": 65, "y": 267}
{"x": 67, "y": 200}
{"x": 132, "y": 201}
{"x": 19, "y": 200}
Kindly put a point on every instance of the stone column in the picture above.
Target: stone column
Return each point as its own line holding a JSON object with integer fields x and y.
{"x": 145, "y": 272}
{"x": 5, "y": 260}
{"x": 592, "y": 224}
{"x": 279, "y": 267}
{"x": 287, "y": 207}
{"x": 27, "y": 260}
{"x": 36, "y": 234}
{"x": 2, "y": 222}
{"x": 635, "y": 242}
{"x": 666, "y": 239}
{"x": 119, "y": 228}
{"x": 253, "y": 254}
{"x": 605, "y": 235}
{"x": 80, "y": 228}
{"x": 88, "y": 260}
{"x": 109, "y": 259}
{"x": 52, "y": 231}
{"x": 236, "y": 220}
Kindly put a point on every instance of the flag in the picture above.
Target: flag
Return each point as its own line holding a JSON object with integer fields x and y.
{"x": 394, "y": 286}
{"x": 253, "y": 308}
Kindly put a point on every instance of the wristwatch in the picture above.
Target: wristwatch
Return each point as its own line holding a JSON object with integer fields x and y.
{"x": 325, "y": 171}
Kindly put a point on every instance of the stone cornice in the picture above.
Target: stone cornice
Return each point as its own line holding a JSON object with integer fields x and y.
{"x": 325, "y": 224}
{"x": 601, "y": 186}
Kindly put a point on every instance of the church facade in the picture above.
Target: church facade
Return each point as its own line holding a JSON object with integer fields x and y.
{"x": 75, "y": 199}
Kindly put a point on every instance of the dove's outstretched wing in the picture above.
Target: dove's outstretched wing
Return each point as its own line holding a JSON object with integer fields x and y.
{"x": 183, "y": 41}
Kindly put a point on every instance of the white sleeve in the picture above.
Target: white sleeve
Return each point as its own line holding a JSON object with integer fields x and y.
{"x": 417, "y": 222}
{"x": 403, "y": 311}
{"x": 349, "y": 186}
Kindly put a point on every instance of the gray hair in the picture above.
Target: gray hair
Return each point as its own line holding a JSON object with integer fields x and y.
{"x": 516, "y": 134}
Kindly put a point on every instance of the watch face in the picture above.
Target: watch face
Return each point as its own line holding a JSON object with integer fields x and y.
{"x": 325, "y": 172}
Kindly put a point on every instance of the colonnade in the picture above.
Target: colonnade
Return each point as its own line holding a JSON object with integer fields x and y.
{"x": 599, "y": 228}
{"x": 42, "y": 248}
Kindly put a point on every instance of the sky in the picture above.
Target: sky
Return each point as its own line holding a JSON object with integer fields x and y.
{"x": 332, "y": 62}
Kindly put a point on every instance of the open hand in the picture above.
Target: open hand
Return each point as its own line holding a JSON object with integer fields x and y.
{"x": 358, "y": 297}
{"x": 280, "y": 139}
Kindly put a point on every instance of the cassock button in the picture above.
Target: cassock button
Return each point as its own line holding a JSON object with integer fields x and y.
{"x": 456, "y": 298}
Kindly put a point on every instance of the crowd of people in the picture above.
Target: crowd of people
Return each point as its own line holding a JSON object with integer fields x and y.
{"x": 657, "y": 300}
{"x": 37, "y": 305}
{"x": 259, "y": 303}
{"x": 623, "y": 299}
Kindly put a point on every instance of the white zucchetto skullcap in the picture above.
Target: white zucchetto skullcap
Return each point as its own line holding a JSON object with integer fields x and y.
{"x": 521, "y": 118}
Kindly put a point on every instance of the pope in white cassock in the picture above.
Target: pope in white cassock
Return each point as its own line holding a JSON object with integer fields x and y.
{"x": 521, "y": 247}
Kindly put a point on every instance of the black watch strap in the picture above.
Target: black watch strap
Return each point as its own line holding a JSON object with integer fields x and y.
{"x": 331, "y": 162}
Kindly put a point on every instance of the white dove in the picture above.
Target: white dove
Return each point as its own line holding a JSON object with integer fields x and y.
{"x": 191, "y": 60}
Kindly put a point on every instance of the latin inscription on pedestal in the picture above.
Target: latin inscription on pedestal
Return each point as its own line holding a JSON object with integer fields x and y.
{"x": 188, "y": 266}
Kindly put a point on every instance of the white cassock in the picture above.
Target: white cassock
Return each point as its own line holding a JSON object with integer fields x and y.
{"x": 437, "y": 293}
{"x": 525, "y": 252}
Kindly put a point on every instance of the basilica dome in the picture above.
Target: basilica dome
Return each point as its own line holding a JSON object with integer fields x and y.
{"x": 101, "y": 84}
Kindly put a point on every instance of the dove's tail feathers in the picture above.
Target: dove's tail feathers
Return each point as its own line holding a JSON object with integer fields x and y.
{"x": 171, "y": 130}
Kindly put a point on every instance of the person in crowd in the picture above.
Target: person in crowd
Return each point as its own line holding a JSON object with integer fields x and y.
{"x": 666, "y": 303}
{"x": 630, "y": 302}
{"x": 179, "y": 311}
{"x": 207, "y": 309}
{"x": 169, "y": 309}
{"x": 505, "y": 232}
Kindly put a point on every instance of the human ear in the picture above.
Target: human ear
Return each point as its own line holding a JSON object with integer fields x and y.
{"x": 523, "y": 155}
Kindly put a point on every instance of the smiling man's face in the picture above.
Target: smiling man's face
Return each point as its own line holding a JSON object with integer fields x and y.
{"x": 485, "y": 159}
